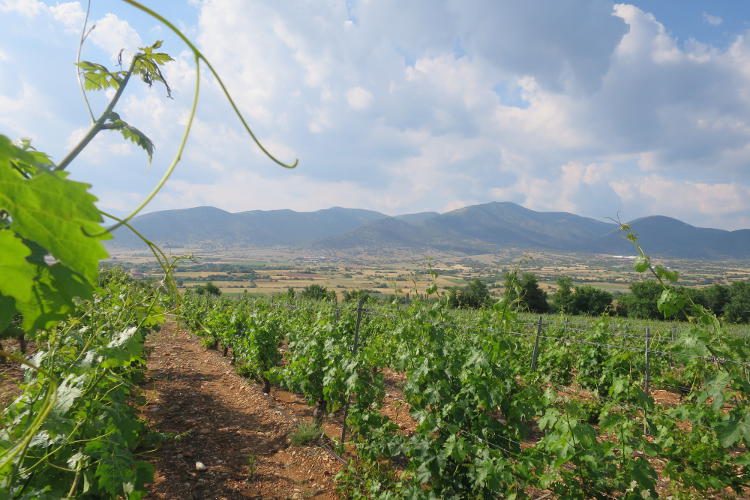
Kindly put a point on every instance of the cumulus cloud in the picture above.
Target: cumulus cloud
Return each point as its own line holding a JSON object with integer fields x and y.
{"x": 70, "y": 14}
{"x": 579, "y": 105}
{"x": 619, "y": 99}
{"x": 113, "y": 34}
{"x": 27, "y": 8}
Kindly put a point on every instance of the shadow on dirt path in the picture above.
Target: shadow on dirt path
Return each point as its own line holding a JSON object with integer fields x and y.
{"x": 214, "y": 416}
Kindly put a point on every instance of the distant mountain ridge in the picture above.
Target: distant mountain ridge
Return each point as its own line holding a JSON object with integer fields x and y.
{"x": 475, "y": 229}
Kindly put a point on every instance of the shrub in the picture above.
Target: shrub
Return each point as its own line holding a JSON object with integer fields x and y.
{"x": 306, "y": 433}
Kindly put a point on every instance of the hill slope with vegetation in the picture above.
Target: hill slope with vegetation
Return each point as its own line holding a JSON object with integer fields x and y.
{"x": 475, "y": 229}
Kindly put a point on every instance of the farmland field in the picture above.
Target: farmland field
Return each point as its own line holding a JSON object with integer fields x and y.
{"x": 275, "y": 272}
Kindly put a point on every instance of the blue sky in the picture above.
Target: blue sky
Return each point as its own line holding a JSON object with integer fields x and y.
{"x": 598, "y": 108}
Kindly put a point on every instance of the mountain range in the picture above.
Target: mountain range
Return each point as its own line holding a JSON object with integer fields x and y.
{"x": 475, "y": 229}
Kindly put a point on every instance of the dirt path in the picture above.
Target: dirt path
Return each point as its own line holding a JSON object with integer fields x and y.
{"x": 224, "y": 421}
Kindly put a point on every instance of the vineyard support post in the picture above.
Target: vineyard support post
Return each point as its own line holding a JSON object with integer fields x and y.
{"x": 355, "y": 346}
{"x": 647, "y": 379}
{"x": 536, "y": 345}
{"x": 360, "y": 309}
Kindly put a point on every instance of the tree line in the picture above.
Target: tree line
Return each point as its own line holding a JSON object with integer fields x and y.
{"x": 730, "y": 302}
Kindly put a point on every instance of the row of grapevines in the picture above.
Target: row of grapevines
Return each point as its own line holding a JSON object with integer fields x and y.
{"x": 581, "y": 425}
{"x": 588, "y": 446}
{"x": 74, "y": 430}
{"x": 320, "y": 361}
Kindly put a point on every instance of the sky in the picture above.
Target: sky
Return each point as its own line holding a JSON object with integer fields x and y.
{"x": 607, "y": 110}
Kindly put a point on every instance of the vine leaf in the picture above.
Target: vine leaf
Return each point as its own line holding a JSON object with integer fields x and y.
{"x": 114, "y": 122}
{"x": 53, "y": 291}
{"x": 147, "y": 65}
{"x": 47, "y": 255}
{"x": 98, "y": 77}
{"x": 16, "y": 275}
{"x": 56, "y": 213}
{"x": 641, "y": 264}
{"x": 732, "y": 431}
{"x": 670, "y": 303}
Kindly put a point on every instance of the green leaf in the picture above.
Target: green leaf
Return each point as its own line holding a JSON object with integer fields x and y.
{"x": 53, "y": 291}
{"x": 714, "y": 389}
{"x": 57, "y": 214}
{"x": 670, "y": 303}
{"x": 7, "y": 311}
{"x": 729, "y": 433}
{"x": 68, "y": 392}
{"x": 98, "y": 77}
{"x": 147, "y": 65}
{"x": 641, "y": 264}
{"x": 124, "y": 348}
{"x": 131, "y": 133}
{"x": 666, "y": 274}
{"x": 16, "y": 274}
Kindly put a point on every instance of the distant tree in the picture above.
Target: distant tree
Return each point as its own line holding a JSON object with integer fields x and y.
{"x": 534, "y": 297}
{"x": 737, "y": 310}
{"x": 562, "y": 299}
{"x": 356, "y": 295}
{"x": 717, "y": 297}
{"x": 525, "y": 292}
{"x": 698, "y": 296}
{"x": 290, "y": 293}
{"x": 208, "y": 289}
{"x": 318, "y": 292}
{"x": 642, "y": 299}
{"x": 474, "y": 295}
{"x": 590, "y": 300}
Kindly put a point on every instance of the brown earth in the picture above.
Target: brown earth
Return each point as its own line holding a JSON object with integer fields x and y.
{"x": 227, "y": 423}
{"x": 11, "y": 372}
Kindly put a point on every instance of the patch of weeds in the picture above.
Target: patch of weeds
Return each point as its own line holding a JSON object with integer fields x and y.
{"x": 251, "y": 461}
{"x": 209, "y": 342}
{"x": 306, "y": 433}
{"x": 244, "y": 370}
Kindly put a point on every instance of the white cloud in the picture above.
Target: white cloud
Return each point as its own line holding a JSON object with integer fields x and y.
{"x": 113, "y": 34}
{"x": 21, "y": 111}
{"x": 27, "y": 8}
{"x": 359, "y": 98}
{"x": 576, "y": 105}
{"x": 243, "y": 188}
{"x": 712, "y": 20}
{"x": 719, "y": 204}
{"x": 70, "y": 14}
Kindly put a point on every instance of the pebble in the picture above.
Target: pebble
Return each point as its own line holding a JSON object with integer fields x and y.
{"x": 199, "y": 466}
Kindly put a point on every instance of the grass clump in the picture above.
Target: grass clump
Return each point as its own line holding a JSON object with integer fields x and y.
{"x": 306, "y": 433}
{"x": 251, "y": 463}
{"x": 209, "y": 343}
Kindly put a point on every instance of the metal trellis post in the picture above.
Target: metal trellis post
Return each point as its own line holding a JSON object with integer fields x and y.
{"x": 360, "y": 307}
{"x": 536, "y": 345}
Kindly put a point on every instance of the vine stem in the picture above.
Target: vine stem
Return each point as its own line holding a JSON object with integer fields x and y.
{"x": 47, "y": 404}
{"x": 175, "y": 160}
{"x": 84, "y": 35}
{"x": 98, "y": 125}
{"x": 199, "y": 55}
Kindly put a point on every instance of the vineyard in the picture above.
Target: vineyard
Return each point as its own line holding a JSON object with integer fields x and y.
{"x": 501, "y": 406}
{"x": 431, "y": 401}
